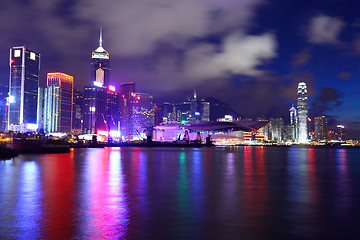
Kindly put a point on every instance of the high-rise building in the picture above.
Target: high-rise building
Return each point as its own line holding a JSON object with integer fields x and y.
{"x": 293, "y": 123}
{"x": 126, "y": 91}
{"x": 100, "y": 65}
{"x": 320, "y": 128}
{"x": 58, "y": 103}
{"x": 101, "y": 109}
{"x": 94, "y": 109}
{"x": 142, "y": 115}
{"x": 339, "y": 133}
{"x": 23, "y": 89}
{"x": 78, "y": 98}
{"x": 302, "y": 111}
{"x": 205, "y": 111}
{"x": 276, "y": 129}
{"x": 194, "y": 111}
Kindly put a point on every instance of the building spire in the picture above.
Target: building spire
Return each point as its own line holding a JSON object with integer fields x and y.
{"x": 100, "y": 41}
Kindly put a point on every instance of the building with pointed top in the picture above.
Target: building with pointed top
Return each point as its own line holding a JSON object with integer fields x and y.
{"x": 293, "y": 123}
{"x": 100, "y": 65}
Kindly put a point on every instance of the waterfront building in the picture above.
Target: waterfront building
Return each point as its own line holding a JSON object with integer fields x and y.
{"x": 339, "y": 132}
{"x": 23, "y": 89}
{"x": 302, "y": 111}
{"x": 142, "y": 115}
{"x": 321, "y": 132}
{"x": 100, "y": 65}
{"x": 205, "y": 111}
{"x": 275, "y": 130}
{"x": 40, "y": 109}
{"x": 94, "y": 109}
{"x": 293, "y": 123}
{"x": 78, "y": 99}
{"x": 100, "y": 110}
{"x": 126, "y": 91}
{"x": 58, "y": 103}
{"x": 193, "y": 109}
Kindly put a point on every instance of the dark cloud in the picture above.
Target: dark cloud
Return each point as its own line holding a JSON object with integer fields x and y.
{"x": 328, "y": 99}
{"x": 301, "y": 58}
{"x": 344, "y": 75}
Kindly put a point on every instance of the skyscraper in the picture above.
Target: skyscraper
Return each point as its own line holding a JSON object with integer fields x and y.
{"x": 100, "y": 65}
{"x": 78, "y": 99}
{"x": 142, "y": 115}
{"x": 293, "y": 123}
{"x": 320, "y": 128}
{"x": 23, "y": 89}
{"x": 126, "y": 90}
{"x": 94, "y": 109}
{"x": 58, "y": 103}
{"x": 302, "y": 110}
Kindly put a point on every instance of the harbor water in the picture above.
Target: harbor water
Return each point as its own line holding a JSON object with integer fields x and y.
{"x": 182, "y": 193}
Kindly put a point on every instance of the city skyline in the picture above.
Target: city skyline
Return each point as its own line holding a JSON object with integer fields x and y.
{"x": 262, "y": 81}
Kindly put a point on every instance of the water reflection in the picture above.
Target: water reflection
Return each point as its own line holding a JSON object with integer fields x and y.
{"x": 28, "y": 213}
{"x": 106, "y": 214}
{"x": 211, "y": 193}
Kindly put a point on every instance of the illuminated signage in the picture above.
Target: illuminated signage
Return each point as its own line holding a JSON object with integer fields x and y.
{"x": 97, "y": 84}
{"x": 340, "y": 126}
{"x": 111, "y": 88}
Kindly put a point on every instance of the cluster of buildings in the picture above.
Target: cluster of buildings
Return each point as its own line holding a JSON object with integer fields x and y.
{"x": 121, "y": 112}
{"x": 302, "y": 129}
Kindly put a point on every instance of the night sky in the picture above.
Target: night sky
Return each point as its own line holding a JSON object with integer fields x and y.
{"x": 248, "y": 53}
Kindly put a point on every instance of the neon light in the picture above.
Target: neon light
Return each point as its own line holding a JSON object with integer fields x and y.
{"x": 102, "y": 132}
{"x": 115, "y": 133}
{"x": 11, "y": 99}
{"x": 97, "y": 84}
{"x": 340, "y": 126}
{"x": 112, "y": 88}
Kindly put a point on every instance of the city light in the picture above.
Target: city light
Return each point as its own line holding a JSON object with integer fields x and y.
{"x": 31, "y": 126}
{"x": 97, "y": 84}
{"x": 112, "y": 88}
{"x": 115, "y": 134}
{"x": 340, "y": 126}
{"x": 11, "y": 99}
{"x": 92, "y": 109}
{"x": 103, "y": 132}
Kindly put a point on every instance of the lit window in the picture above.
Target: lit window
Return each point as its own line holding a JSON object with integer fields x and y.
{"x": 32, "y": 56}
{"x": 17, "y": 53}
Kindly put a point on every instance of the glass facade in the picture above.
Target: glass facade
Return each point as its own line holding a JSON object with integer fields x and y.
{"x": 23, "y": 88}
{"x": 302, "y": 110}
{"x": 58, "y": 106}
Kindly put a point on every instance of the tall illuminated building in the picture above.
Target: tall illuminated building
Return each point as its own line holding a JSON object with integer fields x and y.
{"x": 320, "y": 128}
{"x": 142, "y": 115}
{"x": 58, "y": 103}
{"x": 100, "y": 109}
{"x": 293, "y": 123}
{"x": 302, "y": 110}
{"x": 23, "y": 89}
{"x": 100, "y": 65}
{"x": 126, "y": 91}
